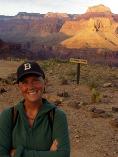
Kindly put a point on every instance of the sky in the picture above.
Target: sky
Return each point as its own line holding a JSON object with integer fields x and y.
{"x": 12, "y": 7}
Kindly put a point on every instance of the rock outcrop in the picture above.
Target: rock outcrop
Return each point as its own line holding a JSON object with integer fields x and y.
{"x": 13, "y": 50}
{"x": 95, "y": 31}
{"x": 30, "y": 26}
{"x": 57, "y": 15}
{"x": 99, "y": 8}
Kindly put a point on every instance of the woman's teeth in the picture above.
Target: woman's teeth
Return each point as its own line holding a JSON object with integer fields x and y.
{"x": 32, "y": 92}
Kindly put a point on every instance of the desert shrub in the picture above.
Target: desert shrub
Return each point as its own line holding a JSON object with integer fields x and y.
{"x": 63, "y": 80}
{"x": 95, "y": 96}
{"x": 72, "y": 74}
{"x": 58, "y": 60}
{"x": 96, "y": 75}
{"x": 93, "y": 82}
{"x": 46, "y": 64}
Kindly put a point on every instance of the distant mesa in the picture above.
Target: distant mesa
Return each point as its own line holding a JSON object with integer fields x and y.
{"x": 97, "y": 28}
{"x": 37, "y": 16}
{"x": 51, "y": 14}
{"x": 99, "y": 9}
{"x": 27, "y": 14}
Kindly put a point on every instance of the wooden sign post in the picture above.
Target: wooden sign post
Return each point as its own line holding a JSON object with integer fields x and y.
{"x": 78, "y": 62}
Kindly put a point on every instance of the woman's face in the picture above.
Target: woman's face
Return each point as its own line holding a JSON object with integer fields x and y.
{"x": 32, "y": 88}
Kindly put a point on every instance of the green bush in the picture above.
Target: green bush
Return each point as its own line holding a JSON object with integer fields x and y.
{"x": 96, "y": 96}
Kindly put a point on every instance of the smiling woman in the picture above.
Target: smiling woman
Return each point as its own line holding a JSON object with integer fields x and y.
{"x": 41, "y": 128}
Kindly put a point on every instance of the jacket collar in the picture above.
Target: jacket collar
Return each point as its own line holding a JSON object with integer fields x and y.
{"x": 46, "y": 107}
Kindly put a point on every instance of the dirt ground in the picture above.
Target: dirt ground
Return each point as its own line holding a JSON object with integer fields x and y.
{"x": 91, "y": 135}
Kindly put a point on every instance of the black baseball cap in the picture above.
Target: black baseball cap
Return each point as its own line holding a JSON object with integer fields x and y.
{"x": 29, "y": 68}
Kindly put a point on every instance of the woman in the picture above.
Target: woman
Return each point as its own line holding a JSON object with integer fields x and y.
{"x": 32, "y": 135}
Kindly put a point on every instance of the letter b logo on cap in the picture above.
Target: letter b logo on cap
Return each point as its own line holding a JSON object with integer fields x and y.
{"x": 27, "y": 66}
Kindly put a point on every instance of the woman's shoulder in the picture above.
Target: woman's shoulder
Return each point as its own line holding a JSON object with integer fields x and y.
{"x": 59, "y": 110}
{"x": 5, "y": 115}
{"x": 60, "y": 113}
{"x": 5, "y": 112}
{"x": 6, "y": 122}
{"x": 52, "y": 106}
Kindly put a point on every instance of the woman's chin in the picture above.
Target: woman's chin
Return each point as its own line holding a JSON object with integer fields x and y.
{"x": 33, "y": 99}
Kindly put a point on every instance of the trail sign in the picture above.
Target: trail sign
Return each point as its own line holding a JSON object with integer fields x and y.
{"x": 75, "y": 60}
{"x": 78, "y": 61}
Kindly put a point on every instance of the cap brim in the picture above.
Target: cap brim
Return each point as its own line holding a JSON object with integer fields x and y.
{"x": 26, "y": 73}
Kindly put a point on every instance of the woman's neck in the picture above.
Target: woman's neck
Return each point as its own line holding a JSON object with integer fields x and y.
{"x": 31, "y": 109}
{"x": 33, "y": 105}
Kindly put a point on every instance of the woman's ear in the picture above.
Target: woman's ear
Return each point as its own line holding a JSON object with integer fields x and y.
{"x": 46, "y": 81}
{"x": 45, "y": 84}
{"x": 18, "y": 85}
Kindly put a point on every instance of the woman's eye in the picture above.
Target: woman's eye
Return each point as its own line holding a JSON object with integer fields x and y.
{"x": 40, "y": 79}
